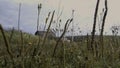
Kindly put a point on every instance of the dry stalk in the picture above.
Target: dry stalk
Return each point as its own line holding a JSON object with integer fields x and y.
{"x": 46, "y": 21}
{"x": 46, "y": 34}
{"x": 94, "y": 25}
{"x": 6, "y": 42}
{"x": 39, "y": 8}
{"x": 22, "y": 46}
{"x": 7, "y": 45}
{"x": 103, "y": 24}
{"x": 65, "y": 29}
{"x": 22, "y": 49}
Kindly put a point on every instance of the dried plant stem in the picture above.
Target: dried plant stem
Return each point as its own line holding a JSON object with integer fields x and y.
{"x": 22, "y": 49}
{"x": 65, "y": 29}
{"x": 7, "y": 44}
{"x": 45, "y": 37}
{"x": 22, "y": 46}
{"x": 94, "y": 25}
{"x": 46, "y": 21}
{"x": 103, "y": 24}
{"x": 39, "y": 8}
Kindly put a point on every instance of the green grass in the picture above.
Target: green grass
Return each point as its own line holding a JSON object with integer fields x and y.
{"x": 68, "y": 55}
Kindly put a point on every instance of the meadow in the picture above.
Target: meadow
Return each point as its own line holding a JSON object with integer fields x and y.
{"x": 23, "y": 50}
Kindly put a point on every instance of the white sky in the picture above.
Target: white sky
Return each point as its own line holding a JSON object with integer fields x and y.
{"x": 83, "y": 18}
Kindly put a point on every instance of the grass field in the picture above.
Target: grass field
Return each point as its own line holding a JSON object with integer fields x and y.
{"x": 28, "y": 52}
{"x": 23, "y": 50}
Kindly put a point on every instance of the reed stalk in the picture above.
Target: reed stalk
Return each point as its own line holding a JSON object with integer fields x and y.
{"x": 102, "y": 27}
{"x": 46, "y": 34}
{"x": 94, "y": 25}
{"x": 65, "y": 29}
{"x": 7, "y": 45}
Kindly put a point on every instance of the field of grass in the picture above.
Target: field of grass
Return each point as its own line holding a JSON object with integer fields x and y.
{"x": 23, "y": 50}
{"x": 27, "y": 51}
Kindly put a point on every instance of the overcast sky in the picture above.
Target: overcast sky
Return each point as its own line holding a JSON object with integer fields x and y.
{"x": 83, "y": 17}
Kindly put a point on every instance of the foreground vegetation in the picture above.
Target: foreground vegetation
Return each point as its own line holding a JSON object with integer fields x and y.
{"x": 23, "y": 50}
{"x": 28, "y": 52}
